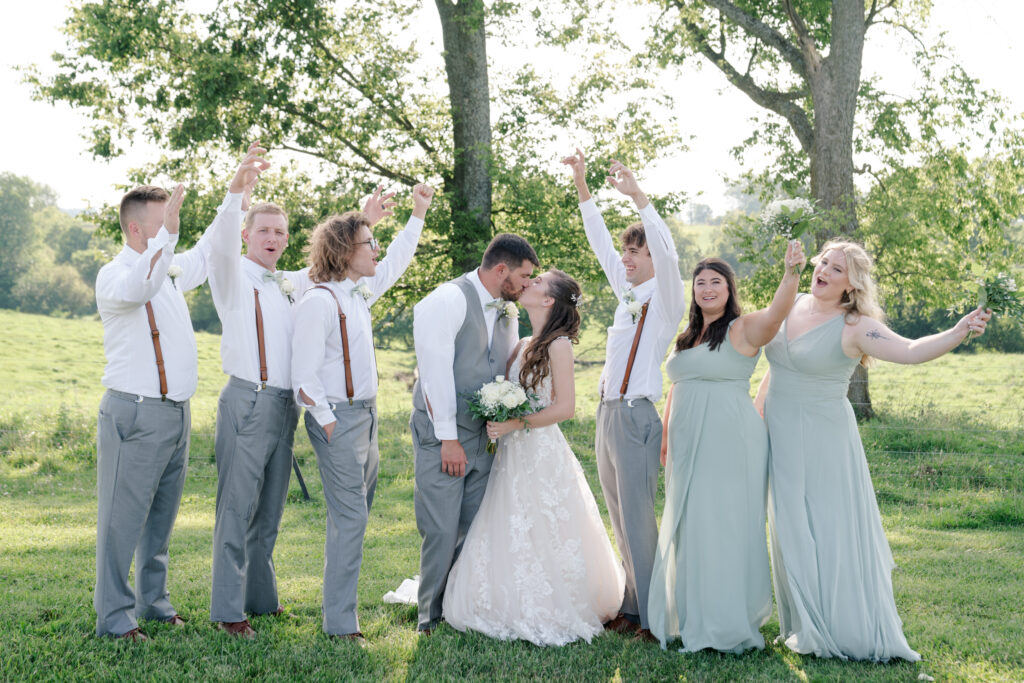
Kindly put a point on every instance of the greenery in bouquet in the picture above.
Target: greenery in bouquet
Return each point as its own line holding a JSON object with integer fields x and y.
{"x": 993, "y": 290}
{"x": 785, "y": 218}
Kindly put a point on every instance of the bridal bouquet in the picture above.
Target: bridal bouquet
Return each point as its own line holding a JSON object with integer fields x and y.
{"x": 499, "y": 401}
{"x": 997, "y": 291}
{"x": 787, "y": 218}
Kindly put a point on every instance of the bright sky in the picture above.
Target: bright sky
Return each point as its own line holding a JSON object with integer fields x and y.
{"x": 44, "y": 142}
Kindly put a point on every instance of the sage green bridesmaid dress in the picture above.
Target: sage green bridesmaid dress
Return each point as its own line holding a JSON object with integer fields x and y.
{"x": 831, "y": 563}
{"x": 711, "y": 586}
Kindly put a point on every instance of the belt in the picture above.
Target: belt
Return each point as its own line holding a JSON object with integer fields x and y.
{"x": 258, "y": 386}
{"x": 631, "y": 402}
{"x": 139, "y": 398}
{"x": 354, "y": 403}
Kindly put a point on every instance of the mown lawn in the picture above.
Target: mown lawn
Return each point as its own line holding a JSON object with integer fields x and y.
{"x": 946, "y": 453}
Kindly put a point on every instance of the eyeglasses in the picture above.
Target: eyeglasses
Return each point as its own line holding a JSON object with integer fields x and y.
{"x": 374, "y": 244}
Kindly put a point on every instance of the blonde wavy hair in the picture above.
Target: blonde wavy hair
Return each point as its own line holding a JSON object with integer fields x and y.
{"x": 862, "y": 300}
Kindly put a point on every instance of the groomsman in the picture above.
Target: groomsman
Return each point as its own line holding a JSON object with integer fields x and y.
{"x": 334, "y": 376}
{"x": 464, "y": 336}
{"x": 646, "y": 280}
{"x": 142, "y": 433}
{"x": 256, "y": 413}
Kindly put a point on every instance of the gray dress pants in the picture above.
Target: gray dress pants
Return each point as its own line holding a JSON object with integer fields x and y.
{"x": 141, "y": 460}
{"x": 445, "y": 507}
{"x": 255, "y": 433}
{"x": 348, "y": 469}
{"x": 628, "y": 449}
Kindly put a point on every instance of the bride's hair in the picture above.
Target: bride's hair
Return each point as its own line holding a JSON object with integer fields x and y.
{"x": 563, "y": 321}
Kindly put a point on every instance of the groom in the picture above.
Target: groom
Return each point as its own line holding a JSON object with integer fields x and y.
{"x": 463, "y": 340}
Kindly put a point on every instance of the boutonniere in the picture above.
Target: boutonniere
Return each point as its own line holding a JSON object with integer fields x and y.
{"x": 362, "y": 290}
{"x": 287, "y": 288}
{"x": 173, "y": 272}
{"x": 633, "y": 307}
{"x": 509, "y": 311}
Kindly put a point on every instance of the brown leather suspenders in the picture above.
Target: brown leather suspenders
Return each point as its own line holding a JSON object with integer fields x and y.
{"x": 349, "y": 391}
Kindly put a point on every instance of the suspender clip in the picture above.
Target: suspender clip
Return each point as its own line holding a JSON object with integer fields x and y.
{"x": 163, "y": 397}
{"x": 260, "y": 387}
{"x": 350, "y": 401}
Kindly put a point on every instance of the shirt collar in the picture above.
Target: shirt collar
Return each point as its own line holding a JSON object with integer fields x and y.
{"x": 481, "y": 291}
{"x": 253, "y": 269}
{"x": 644, "y": 290}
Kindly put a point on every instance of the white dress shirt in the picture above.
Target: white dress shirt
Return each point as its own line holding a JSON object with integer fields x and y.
{"x": 233, "y": 281}
{"x": 665, "y": 292}
{"x": 318, "y": 367}
{"x": 437, "y": 319}
{"x": 123, "y": 287}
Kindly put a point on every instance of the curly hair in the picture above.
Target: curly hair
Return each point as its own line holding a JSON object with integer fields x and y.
{"x": 862, "y": 300}
{"x": 719, "y": 328}
{"x": 563, "y": 321}
{"x": 332, "y": 244}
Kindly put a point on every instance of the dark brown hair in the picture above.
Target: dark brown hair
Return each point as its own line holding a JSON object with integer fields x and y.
{"x": 136, "y": 199}
{"x": 332, "y": 244}
{"x": 563, "y": 321}
{"x": 718, "y": 329}
{"x": 509, "y": 249}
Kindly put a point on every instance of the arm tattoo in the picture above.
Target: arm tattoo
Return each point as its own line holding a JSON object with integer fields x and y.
{"x": 875, "y": 334}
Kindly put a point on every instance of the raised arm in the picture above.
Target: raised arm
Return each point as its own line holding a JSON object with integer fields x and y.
{"x": 120, "y": 291}
{"x": 595, "y": 228}
{"x": 660, "y": 243}
{"x": 563, "y": 394}
{"x": 759, "y": 327}
{"x": 403, "y": 247}
{"x": 872, "y": 338}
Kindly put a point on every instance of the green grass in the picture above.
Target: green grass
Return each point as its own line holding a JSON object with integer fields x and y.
{"x": 946, "y": 454}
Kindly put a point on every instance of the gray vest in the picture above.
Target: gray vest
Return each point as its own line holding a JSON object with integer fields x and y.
{"x": 475, "y": 364}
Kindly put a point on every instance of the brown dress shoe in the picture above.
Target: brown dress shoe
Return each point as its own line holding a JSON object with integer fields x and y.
{"x": 645, "y": 635}
{"x": 356, "y": 638}
{"x": 135, "y": 636}
{"x": 279, "y": 612}
{"x": 240, "y": 629}
{"x": 176, "y": 620}
{"x": 621, "y": 624}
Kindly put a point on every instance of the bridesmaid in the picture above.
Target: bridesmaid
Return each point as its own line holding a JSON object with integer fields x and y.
{"x": 831, "y": 562}
{"x": 710, "y": 586}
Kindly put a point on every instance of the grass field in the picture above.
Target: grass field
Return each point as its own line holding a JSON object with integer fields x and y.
{"x": 946, "y": 454}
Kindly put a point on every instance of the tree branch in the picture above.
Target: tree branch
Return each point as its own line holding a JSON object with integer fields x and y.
{"x": 348, "y": 144}
{"x": 756, "y": 28}
{"x": 780, "y": 103}
{"x": 803, "y": 36}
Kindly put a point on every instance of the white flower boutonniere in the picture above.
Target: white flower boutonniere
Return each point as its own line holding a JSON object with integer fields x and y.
{"x": 633, "y": 307}
{"x": 173, "y": 272}
{"x": 509, "y": 311}
{"x": 362, "y": 290}
{"x": 287, "y": 288}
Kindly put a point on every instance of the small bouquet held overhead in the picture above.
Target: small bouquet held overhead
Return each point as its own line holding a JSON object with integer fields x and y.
{"x": 499, "y": 401}
{"x": 786, "y": 218}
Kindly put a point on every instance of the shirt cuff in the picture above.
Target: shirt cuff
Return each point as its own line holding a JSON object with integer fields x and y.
{"x": 322, "y": 413}
{"x": 445, "y": 431}
{"x": 589, "y": 209}
{"x": 232, "y": 201}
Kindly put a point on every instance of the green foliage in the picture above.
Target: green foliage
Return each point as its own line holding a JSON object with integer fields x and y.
{"x": 20, "y": 199}
{"x": 343, "y": 85}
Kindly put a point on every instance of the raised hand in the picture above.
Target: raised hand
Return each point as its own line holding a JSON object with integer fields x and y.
{"x": 249, "y": 172}
{"x": 422, "y": 195}
{"x": 622, "y": 179}
{"x": 795, "y": 259}
{"x": 172, "y": 209}
{"x": 578, "y": 164}
{"x": 378, "y": 206}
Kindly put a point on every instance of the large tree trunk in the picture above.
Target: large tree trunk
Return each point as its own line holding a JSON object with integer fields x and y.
{"x": 465, "y": 60}
{"x": 834, "y": 82}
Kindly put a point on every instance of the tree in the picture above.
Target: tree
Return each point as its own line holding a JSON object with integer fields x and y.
{"x": 801, "y": 60}
{"x": 328, "y": 82}
{"x": 20, "y": 199}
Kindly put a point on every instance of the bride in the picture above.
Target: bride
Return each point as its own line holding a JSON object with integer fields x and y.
{"x": 537, "y": 563}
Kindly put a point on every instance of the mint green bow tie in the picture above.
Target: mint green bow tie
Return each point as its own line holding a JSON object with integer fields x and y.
{"x": 495, "y": 304}
{"x": 276, "y": 276}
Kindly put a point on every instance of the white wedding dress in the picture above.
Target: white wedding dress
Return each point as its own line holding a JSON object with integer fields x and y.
{"x": 537, "y": 564}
